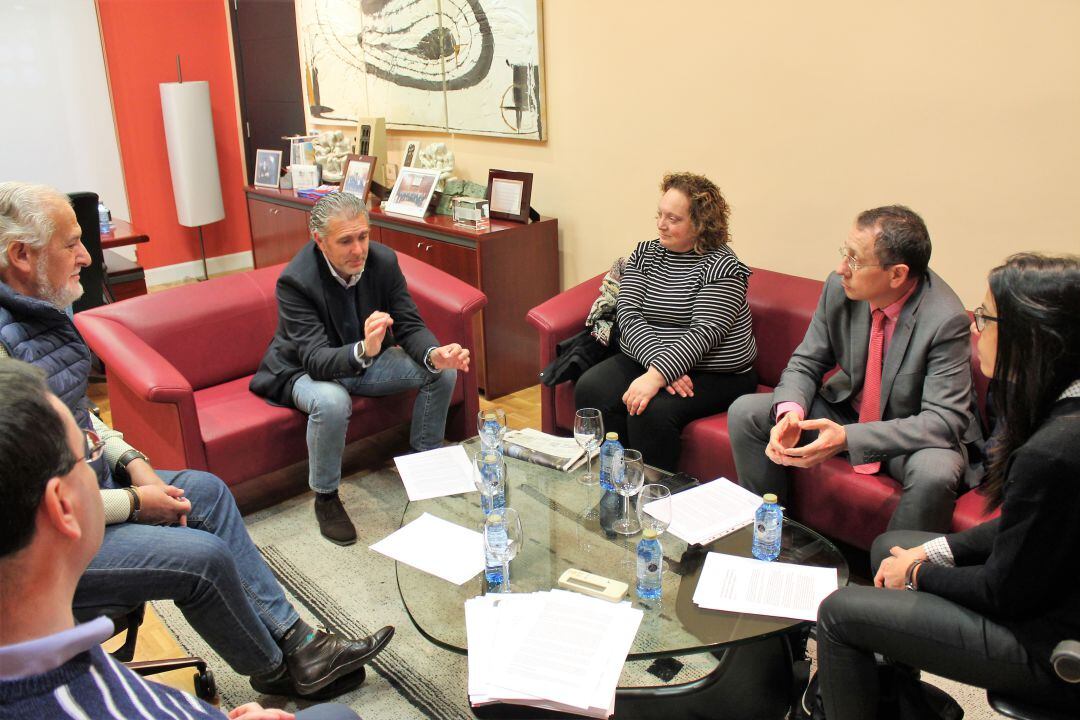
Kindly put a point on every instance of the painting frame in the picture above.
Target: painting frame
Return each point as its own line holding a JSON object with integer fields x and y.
{"x": 269, "y": 175}
{"x": 515, "y": 195}
{"x": 412, "y": 191}
{"x": 353, "y": 165}
{"x": 304, "y": 177}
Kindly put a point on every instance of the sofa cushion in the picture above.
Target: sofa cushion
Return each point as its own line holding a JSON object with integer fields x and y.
{"x": 781, "y": 306}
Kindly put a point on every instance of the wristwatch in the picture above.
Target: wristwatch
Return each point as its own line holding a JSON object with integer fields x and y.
{"x": 136, "y": 504}
{"x": 125, "y": 460}
{"x": 909, "y": 580}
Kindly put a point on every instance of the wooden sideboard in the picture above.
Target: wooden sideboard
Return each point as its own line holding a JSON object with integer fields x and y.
{"x": 516, "y": 265}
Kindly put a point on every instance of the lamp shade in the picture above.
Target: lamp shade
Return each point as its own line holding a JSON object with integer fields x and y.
{"x": 189, "y": 135}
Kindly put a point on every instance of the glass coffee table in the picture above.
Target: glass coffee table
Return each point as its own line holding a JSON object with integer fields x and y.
{"x": 561, "y": 522}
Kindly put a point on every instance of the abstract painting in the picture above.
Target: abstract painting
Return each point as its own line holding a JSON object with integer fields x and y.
{"x": 464, "y": 66}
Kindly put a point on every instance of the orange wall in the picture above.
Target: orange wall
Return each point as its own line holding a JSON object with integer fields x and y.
{"x": 142, "y": 39}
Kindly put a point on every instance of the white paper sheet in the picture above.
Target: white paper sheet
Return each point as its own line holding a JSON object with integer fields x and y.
{"x": 436, "y": 546}
{"x": 740, "y": 584}
{"x": 436, "y": 473}
{"x": 506, "y": 195}
{"x": 704, "y": 513}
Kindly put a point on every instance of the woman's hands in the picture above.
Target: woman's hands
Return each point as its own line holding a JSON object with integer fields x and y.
{"x": 642, "y": 390}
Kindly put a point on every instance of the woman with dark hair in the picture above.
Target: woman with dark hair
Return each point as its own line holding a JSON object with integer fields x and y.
{"x": 687, "y": 348}
{"x": 990, "y": 603}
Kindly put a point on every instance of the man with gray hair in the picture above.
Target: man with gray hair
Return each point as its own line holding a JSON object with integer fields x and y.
{"x": 348, "y": 326}
{"x": 173, "y": 535}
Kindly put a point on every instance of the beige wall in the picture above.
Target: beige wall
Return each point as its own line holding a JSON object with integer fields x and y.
{"x": 805, "y": 113}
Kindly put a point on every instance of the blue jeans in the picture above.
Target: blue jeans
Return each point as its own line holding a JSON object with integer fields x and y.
{"x": 328, "y": 405}
{"x": 210, "y": 569}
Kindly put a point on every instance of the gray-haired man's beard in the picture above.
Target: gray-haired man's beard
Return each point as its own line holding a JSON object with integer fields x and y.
{"x": 62, "y": 296}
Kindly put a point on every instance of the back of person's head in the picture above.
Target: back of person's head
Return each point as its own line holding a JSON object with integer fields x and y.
{"x": 26, "y": 215}
{"x": 901, "y": 237}
{"x": 33, "y": 450}
{"x": 709, "y": 210}
{"x": 335, "y": 205}
{"x": 1038, "y": 346}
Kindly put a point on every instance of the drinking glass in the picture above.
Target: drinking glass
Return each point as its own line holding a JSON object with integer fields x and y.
{"x": 658, "y": 500}
{"x": 628, "y": 483}
{"x": 589, "y": 433}
{"x": 491, "y": 426}
{"x": 502, "y": 540}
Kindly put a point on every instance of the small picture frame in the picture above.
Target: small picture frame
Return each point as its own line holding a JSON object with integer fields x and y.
{"x": 359, "y": 171}
{"x": 509, "y": 194}
{"x": 412, "y": 191}
{"x": 304, "y": 177}
{"x": 267, "y": 168}
{"x": 302, "y": 150}
{"x": 412, "y": 150}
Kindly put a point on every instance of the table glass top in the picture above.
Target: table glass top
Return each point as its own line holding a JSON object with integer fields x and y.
{"x": 560, "y": 519}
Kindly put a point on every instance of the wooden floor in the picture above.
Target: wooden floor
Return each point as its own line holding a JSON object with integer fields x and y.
{"x": 155, "y": 641}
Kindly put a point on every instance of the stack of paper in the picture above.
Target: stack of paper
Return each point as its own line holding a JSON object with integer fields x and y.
{"x": 543, "y": 449}
{"x": 555, "y": 650}
{"x": 740, "y": 584}
{"x": 704, "y": 513}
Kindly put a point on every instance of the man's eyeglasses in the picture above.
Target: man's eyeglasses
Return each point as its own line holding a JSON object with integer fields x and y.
{"x": 981, "y": 318}
{"x": 854, "y": 264}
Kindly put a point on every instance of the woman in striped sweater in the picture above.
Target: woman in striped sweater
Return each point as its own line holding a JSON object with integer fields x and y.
{"x": 686, "y": 349}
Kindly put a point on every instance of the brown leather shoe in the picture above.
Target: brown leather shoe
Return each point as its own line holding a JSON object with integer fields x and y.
{"x": 281, "y": 683}
{"x": 334, "y": 522}
{"x": 326, "y": 657}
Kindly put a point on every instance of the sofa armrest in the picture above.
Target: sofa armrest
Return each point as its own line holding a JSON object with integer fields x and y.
{"x": 557, "y": 319}
{"x": 152, "y": 403}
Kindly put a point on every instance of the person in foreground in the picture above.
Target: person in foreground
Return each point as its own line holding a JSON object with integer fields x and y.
{"x": 169, "y": 535}
{"x": 348, "y": 326}
{"x": 52, "y": 522}
{"x": 990, "y": 603}
{"x": 902, "y": 399}
{"x": 686, "y": 349}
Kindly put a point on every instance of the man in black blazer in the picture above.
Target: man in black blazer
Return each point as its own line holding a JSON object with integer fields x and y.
{"x": 348, "y": 326}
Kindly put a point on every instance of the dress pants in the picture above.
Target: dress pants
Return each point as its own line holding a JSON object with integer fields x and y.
{"x": 211, "y": 569}
{"x": 923, "y": 631}
{"x": 657, "y": 432}
{"x": 929, "y": 478}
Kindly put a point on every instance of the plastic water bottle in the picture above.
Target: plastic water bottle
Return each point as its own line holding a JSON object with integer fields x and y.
{"x": 768, "y": 524}
{"x": 611, "y": 454}
{"x": 650, "y": 565}
{"x": 491, "y": 434}
{"x": 493, "y": 495}
{"x": 104, "y": 218}
{"x": 610, "y": 512}
{"x": 492, "y": 565}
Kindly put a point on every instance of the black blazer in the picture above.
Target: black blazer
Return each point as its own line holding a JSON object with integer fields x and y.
{"x": 308, "y": 337}
{"x": 1020, "y": 569}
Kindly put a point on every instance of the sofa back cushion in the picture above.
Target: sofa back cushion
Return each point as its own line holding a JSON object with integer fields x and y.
{"x": 211, "y": 332}
{"x": 782, "y": 306}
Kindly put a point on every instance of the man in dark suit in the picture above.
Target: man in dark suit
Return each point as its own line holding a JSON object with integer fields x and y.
{"x": 901, "y": 400}
{"x": 348, "y": 326}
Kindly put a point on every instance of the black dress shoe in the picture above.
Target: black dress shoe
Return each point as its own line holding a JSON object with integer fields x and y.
{"x": 326, "y": 657}
{"x": 334, "y": 522}
{"x": 280, "y": 683}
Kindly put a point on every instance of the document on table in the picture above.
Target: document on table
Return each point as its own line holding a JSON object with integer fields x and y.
{"x": 436, "y": 546}
{"x": 740, "y": 584}
{"x": 436, "y": 473}
{"x": 706, "y": 512}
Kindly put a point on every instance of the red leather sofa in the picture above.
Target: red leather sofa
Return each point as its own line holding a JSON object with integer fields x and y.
{"x": 831, "y": 497}
{"x": 178, "y": 365}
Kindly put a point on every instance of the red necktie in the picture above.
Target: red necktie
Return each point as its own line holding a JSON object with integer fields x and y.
{"x": 870, "y": 411}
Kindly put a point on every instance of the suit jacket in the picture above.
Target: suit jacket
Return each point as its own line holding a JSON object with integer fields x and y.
{"x": 1019, "y": 568}
{"x": 927, "y": 396}
{"x": 308, "y": 337}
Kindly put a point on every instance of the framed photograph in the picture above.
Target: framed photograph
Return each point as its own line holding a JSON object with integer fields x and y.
{"x": 412, "y": 192}
{"x": 301, "y": 150}
{"x": 304, "y": 177}
{"x": 359, "y": 172}
{"x": 412, "y": 149}
{"x": 509, "y": 194}
{"x": 267, "y": 168}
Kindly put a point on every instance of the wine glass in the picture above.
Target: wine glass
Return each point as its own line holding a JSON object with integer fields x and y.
{"x": 589, "y": 433}
{"x": 657, "y": 498}
{"x": 627, "y": 483}
{"x": 491, "y": 426}
{"x": 489, "y": 476}
{"x": 502, "y": 540}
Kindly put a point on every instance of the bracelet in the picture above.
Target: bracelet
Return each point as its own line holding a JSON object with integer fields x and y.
{"x": 127, "y": 458}
{"x": 136, "y": 504}
{"x": 909, "y": 576}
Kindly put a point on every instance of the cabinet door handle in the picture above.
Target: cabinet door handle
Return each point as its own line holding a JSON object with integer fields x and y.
{"x": 274, "y": 211}
{"x": 427, "y": 248}
{"x": 419, "y": 245}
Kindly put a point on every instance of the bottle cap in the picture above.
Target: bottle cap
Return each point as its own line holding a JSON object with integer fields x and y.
{"x": 769, "y": 498}
{"x": 490, "y": 415}
{"x": 648, "y": 532}
{"x": 612, "y": 436}
{"x": 491, "y": 460}
{"x": 494, "y": 518}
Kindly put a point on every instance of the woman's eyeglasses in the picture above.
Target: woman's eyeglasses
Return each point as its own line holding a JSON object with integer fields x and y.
{"x": 981, "y": 318}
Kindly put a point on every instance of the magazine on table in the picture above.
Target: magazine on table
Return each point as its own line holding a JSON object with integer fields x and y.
{"x": 542, "y": 449}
